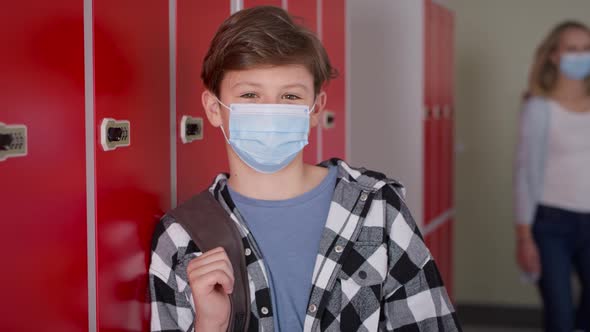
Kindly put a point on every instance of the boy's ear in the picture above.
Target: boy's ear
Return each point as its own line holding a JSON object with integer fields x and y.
{"x": 320, "y": 104}
{"x": 212, "y": 108}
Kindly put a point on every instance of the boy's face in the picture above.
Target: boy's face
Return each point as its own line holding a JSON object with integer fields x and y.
{"x": 287, "y": 84}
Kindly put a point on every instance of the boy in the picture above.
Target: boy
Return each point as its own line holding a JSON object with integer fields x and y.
{"x": 327, "y": 247}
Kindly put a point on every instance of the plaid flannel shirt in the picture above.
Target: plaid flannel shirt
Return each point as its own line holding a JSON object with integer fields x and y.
{"x": 373, "y": 271}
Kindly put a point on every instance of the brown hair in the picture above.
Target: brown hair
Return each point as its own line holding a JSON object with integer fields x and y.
{"x": 264, "y": 35}
{"x": 544, "y": 72}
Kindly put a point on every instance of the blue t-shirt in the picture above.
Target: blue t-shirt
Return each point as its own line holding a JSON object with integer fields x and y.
{"x": 288, "y": 234}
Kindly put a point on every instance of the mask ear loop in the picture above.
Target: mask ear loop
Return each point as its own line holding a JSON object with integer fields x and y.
{"x": 224, "y": 135}
{"x": 223, "y": 130}
{"x": 312, "y": 108}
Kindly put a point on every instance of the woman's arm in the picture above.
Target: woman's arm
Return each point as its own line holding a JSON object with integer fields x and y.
{"x": 530, "y": 136}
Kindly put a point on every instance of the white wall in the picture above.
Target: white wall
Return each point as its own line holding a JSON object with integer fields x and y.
{"x": 385, "y": 87}
{"x": 495, "y": 41}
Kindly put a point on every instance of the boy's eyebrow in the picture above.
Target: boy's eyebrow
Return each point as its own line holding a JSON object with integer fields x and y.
{"x": 258, "y": 85}
{"x": 296, "y": 85}
{"x": 246, "y": 83}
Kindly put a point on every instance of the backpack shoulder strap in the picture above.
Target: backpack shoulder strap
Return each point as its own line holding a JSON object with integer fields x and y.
{"x": 210, "y": 226}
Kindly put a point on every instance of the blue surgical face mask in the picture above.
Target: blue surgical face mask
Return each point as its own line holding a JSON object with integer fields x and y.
{"x": 575, "y": 66}
{"x": 267, "y": 137}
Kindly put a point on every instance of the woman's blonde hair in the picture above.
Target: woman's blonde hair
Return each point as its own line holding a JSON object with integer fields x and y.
{"x": 544, "y": 72}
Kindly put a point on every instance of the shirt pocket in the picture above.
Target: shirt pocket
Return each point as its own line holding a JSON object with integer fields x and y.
{"x": 361, "y": 281}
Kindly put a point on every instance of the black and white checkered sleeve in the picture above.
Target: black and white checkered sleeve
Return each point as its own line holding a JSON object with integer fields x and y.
{"x": 171, "y": 302}
{"x": 415, "y": 297}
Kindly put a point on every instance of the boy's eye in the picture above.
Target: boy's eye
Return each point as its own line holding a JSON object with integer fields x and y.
{"x": 249, "y": 95}
{"x": 291, "y": 97}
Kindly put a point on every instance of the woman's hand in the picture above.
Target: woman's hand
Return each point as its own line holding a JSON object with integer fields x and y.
{"x": 527, "y": 254}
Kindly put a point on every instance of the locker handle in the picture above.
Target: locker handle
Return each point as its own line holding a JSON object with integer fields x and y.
{"x": 191, "y": 129}
{"x": 436, "y": 112}
{"x": 329, "y": 120}
{"x": 114, "y": 134}
{"x": 13, "y": 141}
{"x": 446, "y": 111}
{"x": 5, "y": 141}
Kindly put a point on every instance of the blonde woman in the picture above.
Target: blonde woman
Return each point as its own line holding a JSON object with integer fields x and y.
{"x": 553, "y": 176}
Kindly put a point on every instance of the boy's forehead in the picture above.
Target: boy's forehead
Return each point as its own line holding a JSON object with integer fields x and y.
{"x": 295, "y": 75}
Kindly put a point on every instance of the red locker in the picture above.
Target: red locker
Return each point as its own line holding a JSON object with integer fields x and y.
{"x": 43, "y": 207}
{"x": 200, "y": 161}
{"x": 445, "y": 115}
{"x": 429, "y": 190}
{"x": 451, "y": 147}
{"x": 437, "y": 176}
{"x": 445, "y": 142}
{"x": 437, "y": 132}
{"x": 429, "y": 146}
{"x": 305, "y": 12}
{"x": 438, "y": 91}
{"x": 428, "y": 122}
{"x": 428, "y": 55}
{"x": 334, "y": 40}
{"x": 253, "y": 3}
{"x": 133, "y": 182}
{"x": 427, "y": 108}
{"x": 451, "y": 101}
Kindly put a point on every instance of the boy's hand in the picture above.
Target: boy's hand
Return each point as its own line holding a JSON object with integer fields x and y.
{"x": 211, "y": 278}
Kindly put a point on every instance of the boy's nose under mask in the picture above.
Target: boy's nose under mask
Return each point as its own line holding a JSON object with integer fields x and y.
{"x": 267, "y": 137}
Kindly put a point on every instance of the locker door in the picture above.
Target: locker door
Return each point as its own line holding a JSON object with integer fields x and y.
{"x": 334, "y": 121}
{"x": 428, "y": 105}
{"x": 444, "y": 144}
{"x": 305, "y": 12}
{"x": 43, "y": 196}
{"x": 438, "y": 91}
{"x": 199, "y": 161}
{"x": 253, "y": 3}
{"x": 437, "y": 131}
{"x": 429, "y": 189}
{"x": 451, "y": 148}
{"x": 445, "y": 115}
{"x": 132, "y": 182}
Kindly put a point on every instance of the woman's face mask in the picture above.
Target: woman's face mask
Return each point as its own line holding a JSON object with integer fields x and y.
{"x": 575, "y": 65}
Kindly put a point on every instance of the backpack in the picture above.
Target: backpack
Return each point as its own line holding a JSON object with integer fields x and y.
{"x": 209, "y": 226}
